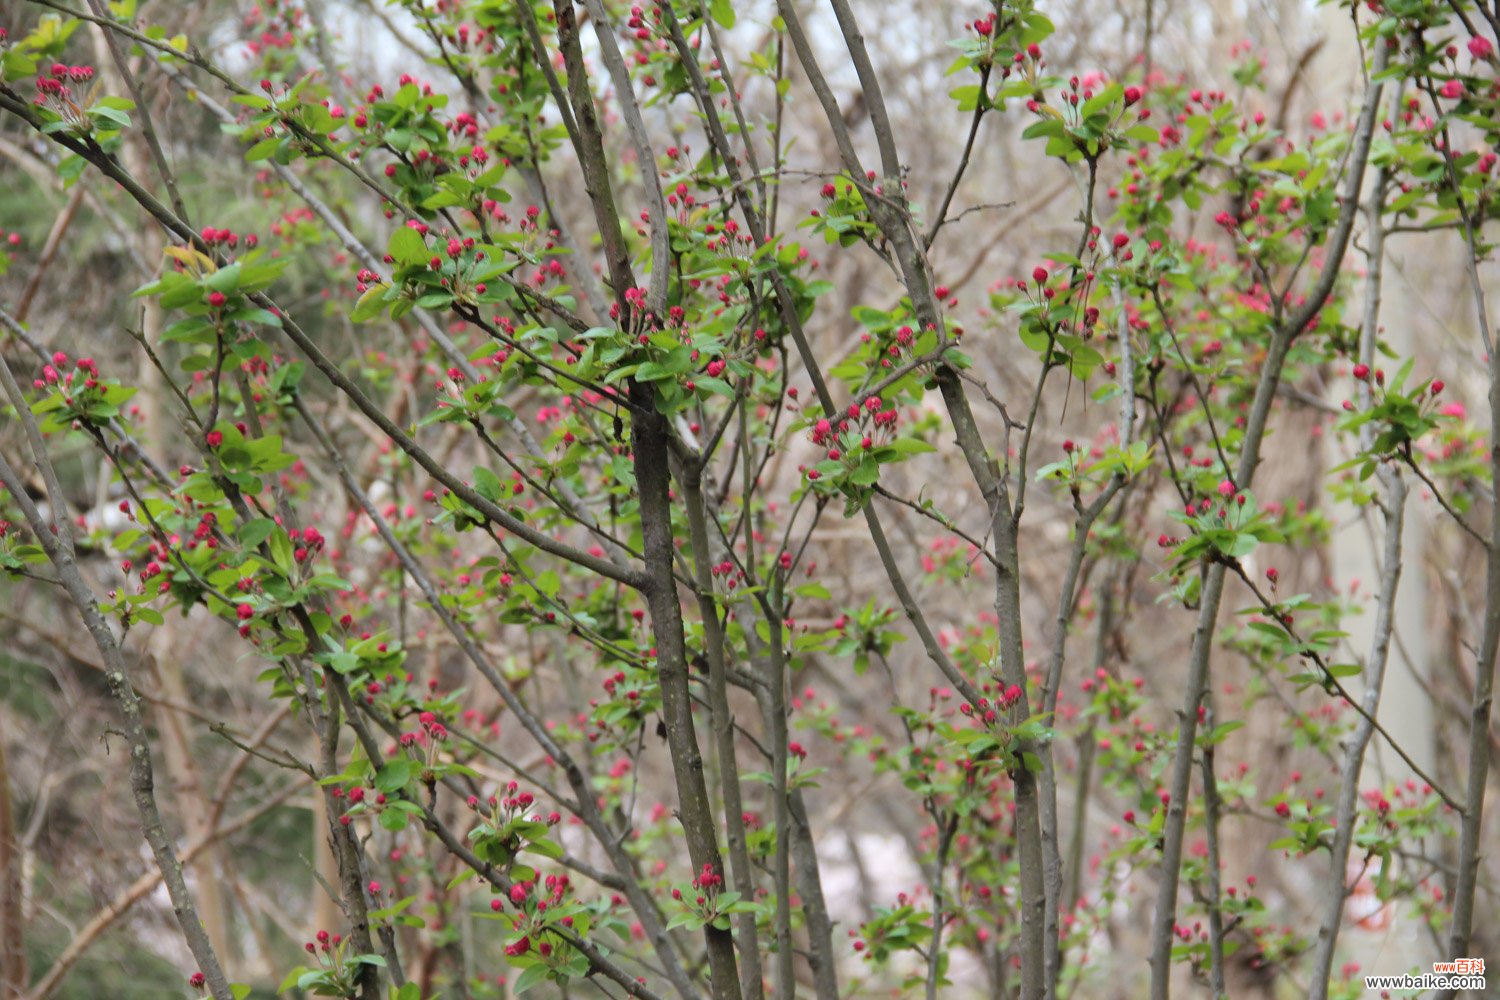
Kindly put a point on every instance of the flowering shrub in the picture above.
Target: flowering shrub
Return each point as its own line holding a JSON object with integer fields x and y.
{"x": 515, "y": 414}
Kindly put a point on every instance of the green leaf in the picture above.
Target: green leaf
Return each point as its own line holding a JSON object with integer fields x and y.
{"x": 252, "y": 533}
{"x": 1242, "y": 546}
{"x": 262, "y": 150}
{"x": 1100, "y": 101}
{"x": 1049, "y": 127}
{"x": 111, "y": 115}
{"x": 1222, "y": 731}
{"x": 407, "y": 248}
{"x": 370, "y": 305}
{"x": 292, "y": 979}
{"x": 262, "y": 317}
{"x": 487, "y": 484}
{"x": 723, "y": 12}
{"x": 343, "y": 663}
{"x": 442, "y": 199}
{"x": 282, "y": 553}
{"x": 707, "y": 383}
{"x": 394, "y": 775}
{"x": 910, "y": 446}
{"x": 532, "y": 976}
{"x": 190, "y": 331}
{"x": 685, "y": 919}
{"x": 225, "y": 279}
{"x": 867, "y": 474}
{"x": 545, "y": 848}
{"x": 435, "y": 300}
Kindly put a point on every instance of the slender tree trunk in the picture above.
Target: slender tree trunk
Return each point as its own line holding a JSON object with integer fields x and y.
{"x": 1336, "y": 889}
{"x": 13, "y": 974}
{"x": 649, "y": 441}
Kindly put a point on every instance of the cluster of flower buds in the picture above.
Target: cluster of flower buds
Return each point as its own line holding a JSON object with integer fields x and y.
{"x": 226, "y": 238}
{"x": 708, "y": 878}
{"x": 635, "y": 298}
{"x": 549, "y": 270}
{"x": 55, "y": 83}
{"x": 726, "y": 238}
{"x": 869, "y": 418}
{"x": 203, "y": 532}
{"x": 513, "y": 802}
{"x": 986, "y": 711}
{"x": 528, "y": 224}
{"x": 680, "y": 196}
{"x": 431, "y": 732}
{"x": 357, "y": 796}
{"x": 1377, "y": 801}
{"x": 466, "y": 35}
{"x": 637, "y": 21}
{"x": 59, "y": 373}
{"x": 708, "y": 882}
{"x": 434, "y": 729}
{"x": 324, "y": 943}
{"x": 647, "y": 36}
{"x": 1072, "y": 96}
{"x": 523, "y": 896}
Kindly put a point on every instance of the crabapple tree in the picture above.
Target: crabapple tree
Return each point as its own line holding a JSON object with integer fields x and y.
{"x": 737, "y": 499}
